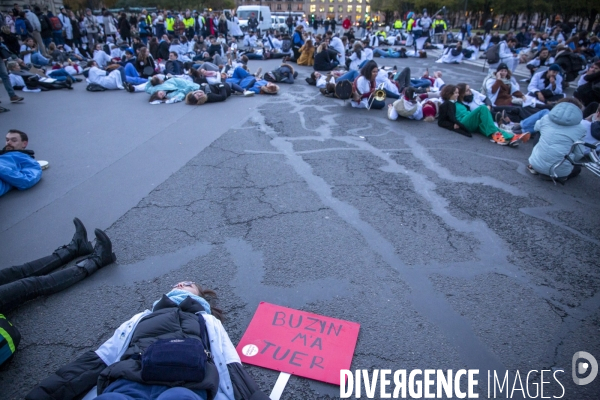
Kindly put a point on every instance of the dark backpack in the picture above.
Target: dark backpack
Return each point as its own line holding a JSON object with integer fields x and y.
{"x": 572, "y": 64}
{"x": 286, "y": 45}
{"x": 493, "y": 54}
{"x": 55, "y": 23}
{"x": 9, "y": 340}
{"x": 44, "y": 23}
{"x": 20, "y": 27}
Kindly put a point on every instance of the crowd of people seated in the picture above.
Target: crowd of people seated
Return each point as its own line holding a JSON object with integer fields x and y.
{"x": 191, "y": 68}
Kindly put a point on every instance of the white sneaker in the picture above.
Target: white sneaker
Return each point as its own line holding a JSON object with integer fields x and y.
{"x": 248, "y": 93}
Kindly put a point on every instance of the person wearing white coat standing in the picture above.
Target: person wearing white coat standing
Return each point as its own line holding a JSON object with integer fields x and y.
{"x": 67, "y": 27}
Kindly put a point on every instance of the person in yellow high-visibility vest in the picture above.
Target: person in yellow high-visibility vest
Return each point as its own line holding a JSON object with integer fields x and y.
{"x": 398, "y": 24}
{"x": 188, "y": 23}
{"x": 170, "y": 23}
{"x": 439, "y": 27}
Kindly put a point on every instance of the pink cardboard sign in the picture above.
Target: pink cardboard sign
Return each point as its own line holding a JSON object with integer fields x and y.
{"x": 299, "y": 343}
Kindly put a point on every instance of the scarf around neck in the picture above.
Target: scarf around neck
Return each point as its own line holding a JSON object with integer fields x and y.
{"x": 178, "y": 295}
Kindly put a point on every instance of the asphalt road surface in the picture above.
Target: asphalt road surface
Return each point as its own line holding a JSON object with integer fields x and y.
{"x": 444, "y": 248}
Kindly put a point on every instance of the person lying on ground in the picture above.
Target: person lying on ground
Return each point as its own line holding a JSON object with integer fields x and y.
{"x": 409, "y": 106}
{"x": 208, "y": 94}
{"x": 22, "y": 283}
{"x": 18, "y": 167}
{"x": 186, "y": 313}
{"x": 170, "y": 91}
{"x": 284, "y": 74}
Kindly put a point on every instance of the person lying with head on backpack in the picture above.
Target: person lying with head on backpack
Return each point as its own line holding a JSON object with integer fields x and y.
{"x": 186, "y": 325}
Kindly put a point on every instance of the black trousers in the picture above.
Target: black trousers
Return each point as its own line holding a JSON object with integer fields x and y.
{"x": 22, "y": 283}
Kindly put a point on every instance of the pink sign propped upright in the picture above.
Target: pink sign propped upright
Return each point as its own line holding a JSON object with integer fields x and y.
{"x": 299, "y": 343}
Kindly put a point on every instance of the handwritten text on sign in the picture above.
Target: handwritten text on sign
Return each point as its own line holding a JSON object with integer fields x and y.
{"x": 299, "y": 343}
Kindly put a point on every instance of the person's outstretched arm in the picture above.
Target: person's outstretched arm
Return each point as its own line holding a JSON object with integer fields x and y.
{"x": 75, "y": 379}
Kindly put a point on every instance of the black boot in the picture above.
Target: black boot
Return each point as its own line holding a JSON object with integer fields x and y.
{"x": 101, "y": 256}
{"x": 79, "y": 246}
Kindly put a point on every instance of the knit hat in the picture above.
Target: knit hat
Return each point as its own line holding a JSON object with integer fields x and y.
{"x": 502, "y": 66}
{"x": 554, "y": 67}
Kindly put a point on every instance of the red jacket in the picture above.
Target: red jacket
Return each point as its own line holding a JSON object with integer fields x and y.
{"x": 346, "y": 24}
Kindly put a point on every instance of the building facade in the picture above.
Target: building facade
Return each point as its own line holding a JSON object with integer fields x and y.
{"x": 320, "y": 9}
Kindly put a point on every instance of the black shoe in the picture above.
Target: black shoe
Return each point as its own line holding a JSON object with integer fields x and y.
{"x": 78, "y": 79}
{"x": 295, "y": 74}
{"x": 79, "y": 246}
{"x": 102, "y": 255}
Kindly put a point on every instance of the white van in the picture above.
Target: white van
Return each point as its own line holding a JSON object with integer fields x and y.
{"x": 262, "y": 13}
{"x": 278, "y": 23}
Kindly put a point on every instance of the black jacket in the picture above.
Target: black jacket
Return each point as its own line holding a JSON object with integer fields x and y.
{"x": 174, "y": 67}
{"x": 163, "y": 50}
{"x": 323, "y": 61}
{"x": 168, "y": 320}
{"x": 447, "y": 119}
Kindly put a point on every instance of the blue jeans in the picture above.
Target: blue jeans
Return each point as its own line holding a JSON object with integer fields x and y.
{"x": 242, "y": 77}
{"x": 349, "y": 76}
{"x": 6, "y": 80}
{"x": 38, "y": 59}
{"x": 420, "y": 83}
{"x": 123, "y": 389}
{"x": 58, "y": 37}
{"x": 384, "y": 54}
{"x": 528, "y": 124}
{"x": 132, "y": 76}
{"x": 254, "y": 56}
{"x": 391, "y": 95}
{"x": 59, "y": 74}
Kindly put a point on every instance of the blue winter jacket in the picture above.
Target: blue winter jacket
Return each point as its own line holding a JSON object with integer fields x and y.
{"x": 18, "y": 170}
{"x": 558, "y": 131}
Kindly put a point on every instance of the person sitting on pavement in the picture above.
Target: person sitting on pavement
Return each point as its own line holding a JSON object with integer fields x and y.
{"x": 18, "y": 167}
{"x": 364, "y": 86}
{"x": 307, "y": 52}
{"x": 507, "y": 56}
{"x": 588, "y": 90}
{"x": 504, "y": 92}
{"x": 541, "y": 62}
{"x": 546, "y": 86}
{"x": 187, "y": 314}
{"x": 325, "y": 59}
{"x": 481, "y": 120}
{"x": 559, "y": 129}
{"x": 102, "y": 59}
{"x": 31, "y": 55}
{"x": 173, "y": 66}
{"x": 144, "y": 63}
{"x": 22, "y": 283}
{"x": 447, "y": 115}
